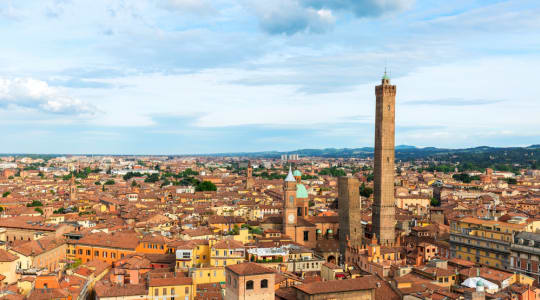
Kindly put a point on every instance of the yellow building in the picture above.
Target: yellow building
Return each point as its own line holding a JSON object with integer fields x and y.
{"x": 209, "y": 274}
{"x": 226, "y": 253}
{"x": 169, "y": 286}
{"x": 486, "y": 242}
{"x": 189, "y": 254}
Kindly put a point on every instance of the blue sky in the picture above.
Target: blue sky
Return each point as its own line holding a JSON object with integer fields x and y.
{"x": 204, "y": 76}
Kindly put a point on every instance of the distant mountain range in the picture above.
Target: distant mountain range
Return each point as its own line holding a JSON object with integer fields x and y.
{"x": 403, "y": 152}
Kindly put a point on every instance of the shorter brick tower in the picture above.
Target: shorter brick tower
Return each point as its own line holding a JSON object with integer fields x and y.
{"x": 249, "y": 177}
{"x": 350, "y": 205}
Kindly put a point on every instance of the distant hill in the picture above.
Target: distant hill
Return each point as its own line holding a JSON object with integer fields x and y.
{"x": 481, "y": 157}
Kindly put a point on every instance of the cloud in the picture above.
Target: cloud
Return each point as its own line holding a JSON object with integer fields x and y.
{"x": 200, "y": 7}
{"x": 289, "y": 17}
{"x": 38, "y": 95}
{"x": 9, "y": 11}
{"x": 317, "y": 16}
{"x": 452, "y": 102}
{"x": 361, "y": 8}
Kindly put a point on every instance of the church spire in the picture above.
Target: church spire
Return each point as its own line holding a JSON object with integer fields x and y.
{"x": 290, "y": 176}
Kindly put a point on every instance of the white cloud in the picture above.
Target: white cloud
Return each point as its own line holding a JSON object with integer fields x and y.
{"x": 38, "y": 95}
{"x": 290, "y": 17}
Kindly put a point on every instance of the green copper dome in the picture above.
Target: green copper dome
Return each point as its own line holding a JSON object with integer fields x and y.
{"x": 297, "y": 173}
{"x": 301, "y": 191}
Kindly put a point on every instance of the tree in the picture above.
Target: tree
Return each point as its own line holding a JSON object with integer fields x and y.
{"x": 130, "y": 175}
{"x": 39, "y": 210}
{"x": 333, "y": 171}
{"x": 365, "y": 191}
{"x": 97, "y": 183}
{"x": 435, "y": 202}
{"x": 311, "y": 203}
{"x": 61, "y": 210}
{"x": 206, "y": 186}
{"x": 152, "y": 178}
{"x": 1, "y": 209}
{"x": 34, "y": 203}
{"x": 110, "y": 182}
{"x": 511, "y": 180}
{"x": 133, "y": 183}
{"x": 5, "y": 194}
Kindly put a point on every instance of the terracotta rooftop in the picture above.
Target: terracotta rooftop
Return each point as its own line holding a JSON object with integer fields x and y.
{"x": 335, "y": 286}
{"x": 249, "y": 268}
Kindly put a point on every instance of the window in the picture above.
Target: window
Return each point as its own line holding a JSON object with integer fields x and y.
{"x": 96, "y": 253}
{"x": 291, "y": 200}
{"x": 264, "y": 284}
{"x": 104, "y": 254}
{"x": 156, "y": 292}
{"x": 113, "y": 255}
{"x": 306, "y": 235}
{"x": 80, "y": 251}
{"x": 235, "y": 283}
{"x": 249, "y": 285}
{"x": 186, "y": 290}
{"x": 164, "y": 291}
{"x": 173, "y": 291}
{"x": 87, "y": 252}
{"x": 299, "y": 211}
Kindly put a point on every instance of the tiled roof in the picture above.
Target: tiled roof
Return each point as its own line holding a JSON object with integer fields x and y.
{"x": 249, "y": 268}
{"x": 335, "y": 286}
{"x": 6, "y": 256}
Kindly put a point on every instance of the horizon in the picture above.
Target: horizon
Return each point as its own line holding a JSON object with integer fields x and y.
{"x": 240, "y": 153}
{"x": 228, "y": 76}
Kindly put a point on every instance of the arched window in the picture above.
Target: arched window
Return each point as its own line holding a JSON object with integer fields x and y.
{"x": 264, "y": 283}
{"x": 249, "y": 285}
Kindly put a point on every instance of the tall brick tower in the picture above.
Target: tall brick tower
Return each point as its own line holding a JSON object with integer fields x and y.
{"x": 383, "y": 210}
{"x": 350, "y": 226}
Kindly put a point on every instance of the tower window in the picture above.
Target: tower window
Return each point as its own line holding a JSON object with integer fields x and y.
{"x": 388, "y": 107}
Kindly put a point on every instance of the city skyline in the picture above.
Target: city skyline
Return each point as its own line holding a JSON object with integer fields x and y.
{"x": 188, "y": 77}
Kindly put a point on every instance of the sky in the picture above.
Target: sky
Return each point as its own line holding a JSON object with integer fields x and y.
{"x": 211, "y": 76}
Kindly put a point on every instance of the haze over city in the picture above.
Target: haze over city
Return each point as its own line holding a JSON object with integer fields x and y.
{"x": 269, "y": 150}
{"x": 186, "y": 76}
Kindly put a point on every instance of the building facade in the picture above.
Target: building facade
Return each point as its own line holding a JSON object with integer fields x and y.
{"x": 525, "y": 254}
